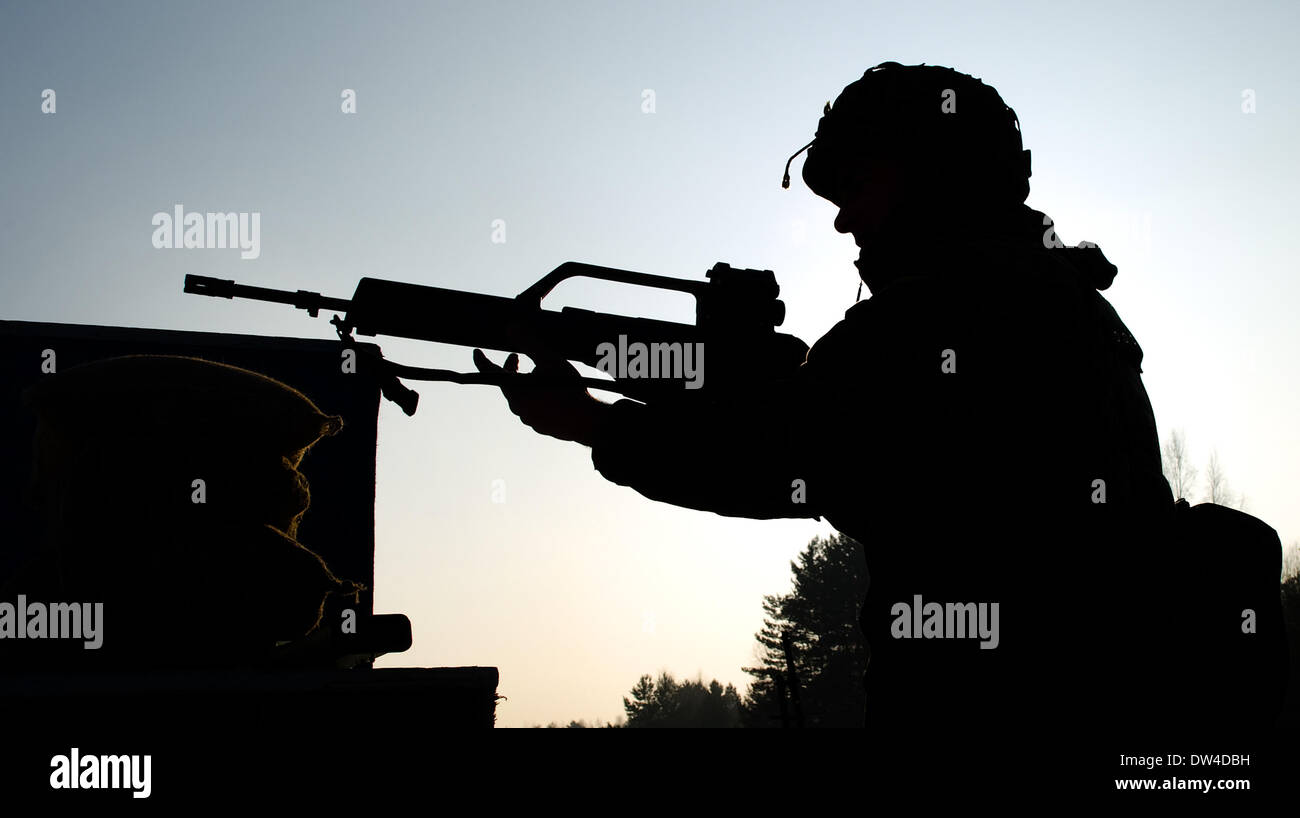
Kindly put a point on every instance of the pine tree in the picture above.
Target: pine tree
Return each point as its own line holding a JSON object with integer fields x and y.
{"x": 670, "y": 703}
{"x": 813, "y": 631}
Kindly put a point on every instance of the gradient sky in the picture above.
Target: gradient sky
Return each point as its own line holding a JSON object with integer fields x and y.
{"x": 532, "y": 113}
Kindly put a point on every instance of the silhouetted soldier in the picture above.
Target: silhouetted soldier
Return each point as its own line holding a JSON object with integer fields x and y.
{"x": 979, "y": 425}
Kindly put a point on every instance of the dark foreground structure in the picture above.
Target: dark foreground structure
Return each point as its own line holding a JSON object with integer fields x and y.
{"x": 188, "y": 560}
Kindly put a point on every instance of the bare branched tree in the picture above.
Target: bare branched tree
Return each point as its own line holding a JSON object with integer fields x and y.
{"x": 1216, "y": 482}
{"x": 1217, "y": 489}
{"x": 1178, "y": 467}
{"x": 1291, "y": 560}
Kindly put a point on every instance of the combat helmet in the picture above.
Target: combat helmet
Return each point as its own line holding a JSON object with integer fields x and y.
{"x": 952, "y": 132}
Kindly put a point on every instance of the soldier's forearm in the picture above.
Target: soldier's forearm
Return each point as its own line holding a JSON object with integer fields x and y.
{"x": 729, "y": 460}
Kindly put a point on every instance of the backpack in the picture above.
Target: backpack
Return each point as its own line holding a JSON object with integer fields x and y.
{"x": 1229, "y": 648}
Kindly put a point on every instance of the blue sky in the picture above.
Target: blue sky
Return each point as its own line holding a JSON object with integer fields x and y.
{"x": 532, "y": 113}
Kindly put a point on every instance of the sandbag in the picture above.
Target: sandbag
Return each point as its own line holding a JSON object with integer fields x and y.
{"x": 168, "y": 488}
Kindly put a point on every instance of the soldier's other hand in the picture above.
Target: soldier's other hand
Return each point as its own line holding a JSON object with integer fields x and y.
{"x": 542, "y": 399}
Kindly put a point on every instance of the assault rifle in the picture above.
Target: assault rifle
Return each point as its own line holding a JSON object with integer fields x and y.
{"x": 736, "y": 313}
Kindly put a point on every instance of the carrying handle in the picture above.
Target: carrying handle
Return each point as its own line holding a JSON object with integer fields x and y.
{"x": 532, "y": 297}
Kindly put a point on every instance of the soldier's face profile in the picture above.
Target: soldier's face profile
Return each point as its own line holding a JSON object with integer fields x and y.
{"x": 872, "y": 191}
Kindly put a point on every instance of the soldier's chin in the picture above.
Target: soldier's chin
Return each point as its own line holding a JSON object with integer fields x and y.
{"x": 864, "y": 269}
{"x": 860, "y": 262}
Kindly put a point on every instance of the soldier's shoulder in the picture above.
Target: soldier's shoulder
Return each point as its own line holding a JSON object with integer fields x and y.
{"x": 1018, "y": 294}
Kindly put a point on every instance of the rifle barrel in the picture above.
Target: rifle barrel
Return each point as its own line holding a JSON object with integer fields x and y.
{"x": 227, "y": 288}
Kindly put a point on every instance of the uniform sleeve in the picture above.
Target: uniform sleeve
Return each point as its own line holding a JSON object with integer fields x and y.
{"x": 741, "y": 456}
{"x": 768, "y": 453}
